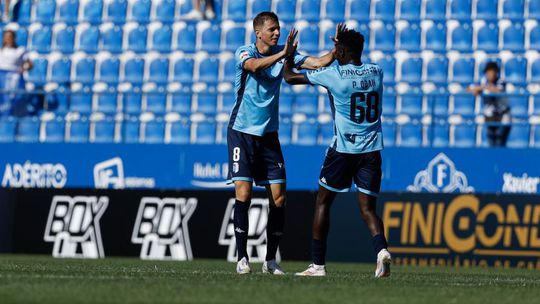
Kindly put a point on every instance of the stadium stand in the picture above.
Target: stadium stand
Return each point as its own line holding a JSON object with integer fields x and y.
{"x": 105, "y": 64}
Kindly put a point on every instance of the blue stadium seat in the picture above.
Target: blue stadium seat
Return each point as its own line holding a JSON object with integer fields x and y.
{"x": 210, "y": 39}
{"x": 286, "y": 100}
{"x": 22, "y": 36}
{"x": 158, "y": 70}
{"x": 104, "y": 131}
{"x": 68, "y": 11}
{"x": 40, "y": 38}
{"x": 156, "y": 100}
{"x": 310, "y": 10}
{"x": 519, "y": 101}
{"x": 140, "y": 11}
{"x": 28, "y": 130}
{"x": 435, "y": 10}
{"x": 116, "y": 11}
{"x": 79, "y": 131}
{"x": 164, "y": 10}
{"x": 411, "y": 102}
{"x": 81, "y": 100}
{"x": 60, "y": 71}
{"x": 161, "y": 37}
{"x": 486, "y": 10}
{"x": 536, "y": 105}
{"x": 487, "y": 38}
{"x": 435, "y": 37}
{"x": 409, "y": 9}
{"x": 437, "y": 70}
{"x": 183, "y": 69}
{"x": 132, "y": 101}
{"x": 464, "y": 104}
{"x": 84, "y": 69}
{"x": 358, "y": 10}
{"x": 205, "y": 132}
{"x": 285, "y": 131}
{"x": 411, "y": 70}
{"x": 306, "y": 133}
{"x": 131, "y": 129}
{"x": 234, "y": 38}
{"x": 409, "y": 38}
{"x": 306, "y": 101}
{"x": 519, "y": 136}
{"x": 308, "y": 38}
{"x": 389, "y": 134}
{"x": 438, "y": 102}
{"x": 206, "y": 101}
{"x": 460, "y": 9}
{"x": 464, "y": 135}
{"x": 180, "y": 132}
{"x": 411, "y": 135}
{"x": 515, "y": 70}
{"x": 389, "y": 102}
{"x": 111, "y": 38}
{"x": 181, "y": 101}
{"x": 461, "y": 38}
{"x": 54, "y": 131}
{"x": 133, "y": 70}
{"x": 87, "y": 39}
{"x": 285, "y": 9}
{"x": 109, "y": 69}
{"x": 38, "y": 73}
{"x": 64, "y": 39}
{"x": 513, "y": 9}
{"x": 208, "y": 69}
{"x": 107, "y": 101}
{"x": 92, "y": 11}
{"x": 536, "y": 136}
{"x": 228, "y": 69}
{"x": 154, "y": 131}
{"x": 384, "y": 37}
{"x": 533, "y": 9}
{"x": 440, "y": 135}
{"x": 136, "y": 38}
{"x": 185, "y": 37}
{"x": 236, "y": 10}
{"x": 334, "y": 10}
{"x": 535, "y": 71}
{"x": 257, "y": 6}
{"x": 8, "y": 127}
{"x": 44, "y": 11}
{"x": 384, "y": 9}
{"x": 388, "y": 65}
{"x": 534, "y": 38}
{"x": 326, "y": 133}
{"x": 463, "y": 70}
{"x": 25, "y": 11}
{"x": 514, "y": 38}
{"x": 226, "y": 101}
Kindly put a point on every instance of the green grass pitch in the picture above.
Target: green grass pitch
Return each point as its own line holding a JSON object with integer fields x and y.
{"x": 39, "y": 279}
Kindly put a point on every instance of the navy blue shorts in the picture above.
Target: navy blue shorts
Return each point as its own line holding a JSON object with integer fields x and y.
{"x": 255, "y": 158}
{"x": 340, "y": 169}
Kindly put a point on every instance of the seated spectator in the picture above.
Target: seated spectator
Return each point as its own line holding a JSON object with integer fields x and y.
{"x": 496, "y": 107}
{"x": 13, "y": 63}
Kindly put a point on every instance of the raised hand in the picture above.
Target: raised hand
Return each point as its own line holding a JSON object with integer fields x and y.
{"x": 291, "y": 43}
{"x": 340, "y": 28}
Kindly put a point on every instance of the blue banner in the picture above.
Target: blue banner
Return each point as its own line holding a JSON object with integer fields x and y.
{"x": 123, "y": 166}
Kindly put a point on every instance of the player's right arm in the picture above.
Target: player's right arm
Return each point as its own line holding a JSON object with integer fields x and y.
{"x": 256, "y": 64}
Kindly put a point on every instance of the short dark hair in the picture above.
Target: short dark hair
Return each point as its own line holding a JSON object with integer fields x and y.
{"x": 261, "y": 18}
{"x": 492, "y": 65}
{"x": 351, "y": 41}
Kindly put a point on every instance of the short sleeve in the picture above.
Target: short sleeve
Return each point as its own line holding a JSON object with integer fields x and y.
{"x": 323, "y": 76}
{"x": 299, "y": 59}
{"x": 242, "y": 55}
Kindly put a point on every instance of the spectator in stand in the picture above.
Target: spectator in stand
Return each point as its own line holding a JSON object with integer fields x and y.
{"x": 197, "y": 14}
{"x": 10, "y": 10}
{"x": 496, "y": 107}
{"x": 13, "y": 63}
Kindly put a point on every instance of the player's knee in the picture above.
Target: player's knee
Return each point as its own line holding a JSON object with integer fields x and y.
{"x": 243, "y": 193}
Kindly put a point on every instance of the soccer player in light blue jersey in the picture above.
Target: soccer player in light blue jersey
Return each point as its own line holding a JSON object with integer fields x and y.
{"x": 254, "y": 149}
{"x": 355, "y": 91}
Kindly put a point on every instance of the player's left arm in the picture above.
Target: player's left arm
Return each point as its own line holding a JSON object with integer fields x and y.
{"x": 314, "y": 63}
{"x": 291, "y": 77}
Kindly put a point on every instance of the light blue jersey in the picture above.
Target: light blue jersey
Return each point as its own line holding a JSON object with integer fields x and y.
{"x": 256, "y": 108}
{"x": 355, "y": 94}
